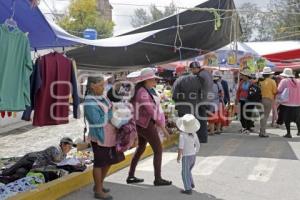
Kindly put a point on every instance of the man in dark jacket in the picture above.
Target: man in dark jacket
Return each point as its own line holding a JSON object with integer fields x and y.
{"x": 190, "y": 94}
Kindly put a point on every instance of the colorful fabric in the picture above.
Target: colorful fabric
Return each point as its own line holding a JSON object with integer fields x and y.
{"x": 126, "y": 136}
{"x": 242, "y": 92}
{"x": 15, "y": 69}
{"x": 21, "y": 185}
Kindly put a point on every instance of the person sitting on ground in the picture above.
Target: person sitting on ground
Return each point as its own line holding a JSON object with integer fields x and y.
{"x": 189, "y": 146}
{"x": 49, "y": 156}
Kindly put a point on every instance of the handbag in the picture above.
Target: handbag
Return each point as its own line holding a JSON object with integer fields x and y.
{"x": 283, "y": 96}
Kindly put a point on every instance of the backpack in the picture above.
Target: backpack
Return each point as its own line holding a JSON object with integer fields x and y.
{"x": 254, "y": 93}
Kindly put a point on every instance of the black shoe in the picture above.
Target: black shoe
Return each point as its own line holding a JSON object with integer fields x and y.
{"x": 193, "y": 186}
{"x": 133, "y": 179}
{"x": 162, "y": 182}
{"x": 263, "y": 136}
{"x": 288, "y": 136}
{"x": 188, "y": 192}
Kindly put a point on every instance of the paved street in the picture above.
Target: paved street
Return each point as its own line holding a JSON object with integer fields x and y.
{"x": 230, "y": 167}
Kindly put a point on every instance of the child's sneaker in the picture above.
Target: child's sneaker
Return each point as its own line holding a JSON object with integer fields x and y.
{"x": 246, "y": 132}
{"x": 188, "y": 192}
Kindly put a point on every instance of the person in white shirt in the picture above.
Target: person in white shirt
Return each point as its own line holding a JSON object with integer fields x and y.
{"x": 189, "y": 146}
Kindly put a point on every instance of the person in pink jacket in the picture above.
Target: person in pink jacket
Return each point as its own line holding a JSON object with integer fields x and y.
{"x": 148, "y": 117}
{"x": 290, "y": 105}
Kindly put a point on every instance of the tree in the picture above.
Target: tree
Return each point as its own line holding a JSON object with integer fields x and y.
{"x": 83, "y": 14}
{"x": 142, "y": 17}
{"x": 170, "y": 10}
{"x": 248, "y": 20}
{"x": 265, "y": 27}
{"x": 155, "y": 13}
{"x": 287, "y": 18}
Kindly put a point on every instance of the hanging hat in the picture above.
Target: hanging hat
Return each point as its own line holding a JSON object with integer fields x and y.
{"x": 267, "y": 71}
{"x": 288, "y": 73}
{"x": 246, "y": 72}
{"x": 146, "y": 74}
{"x": 188, "y": 124}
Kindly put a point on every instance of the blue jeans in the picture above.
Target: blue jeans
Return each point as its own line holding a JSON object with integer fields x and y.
{"x": 188, "y": 163}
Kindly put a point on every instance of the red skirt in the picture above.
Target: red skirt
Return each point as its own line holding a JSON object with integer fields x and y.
{"x": 221, "y": 116}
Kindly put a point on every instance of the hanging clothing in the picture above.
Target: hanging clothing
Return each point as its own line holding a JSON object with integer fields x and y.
{"x": 53, "y": 79}
{"x": 15, "y": 69}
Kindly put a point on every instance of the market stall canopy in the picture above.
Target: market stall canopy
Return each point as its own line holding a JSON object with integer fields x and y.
{"x": 30, "y": 19}
{"x": 274, "y": 47}
{"x": 224, "y": 57}
{"x": 181, "y": 36}
{"x": 44, "y": 33}
{"x": 282, "y": 53}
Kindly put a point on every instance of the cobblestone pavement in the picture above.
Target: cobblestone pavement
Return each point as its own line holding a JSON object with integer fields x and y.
{"x": 27, "y": 139}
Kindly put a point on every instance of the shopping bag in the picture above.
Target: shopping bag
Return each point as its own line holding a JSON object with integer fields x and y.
{"x": 283, "y": 96}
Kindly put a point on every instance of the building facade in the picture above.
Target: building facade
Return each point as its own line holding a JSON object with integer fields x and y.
{"x": 105, "y": 9}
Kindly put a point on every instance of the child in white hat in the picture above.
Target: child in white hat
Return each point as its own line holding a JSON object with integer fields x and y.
{"x": 189, "y": 146}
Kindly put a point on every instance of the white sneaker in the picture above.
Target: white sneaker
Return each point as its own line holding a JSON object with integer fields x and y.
{"x": 246, "y": 132}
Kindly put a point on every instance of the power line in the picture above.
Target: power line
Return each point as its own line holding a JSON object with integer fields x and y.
{"x": 288, "y": 36}
{"x": 208, "y": 9}
{"x": 54, "y": 15}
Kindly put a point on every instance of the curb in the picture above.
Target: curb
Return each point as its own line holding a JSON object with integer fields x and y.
{"x": 61, "y": 187}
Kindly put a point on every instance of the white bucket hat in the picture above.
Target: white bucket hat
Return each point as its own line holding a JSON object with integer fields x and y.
{"x": 267, "y": 71}
{"x": 288, "y": 73}
{"x": 188, "y": 124}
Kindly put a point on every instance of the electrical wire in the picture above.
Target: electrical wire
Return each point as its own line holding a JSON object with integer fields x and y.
{"x": 51, "y": 11}
{"x": 292, "y": 35}
{"x": 207, "y": 9}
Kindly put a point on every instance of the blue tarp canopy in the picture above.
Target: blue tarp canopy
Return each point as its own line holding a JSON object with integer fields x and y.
{"x": 44, "y": 33}
{"x": 30, "y": 19}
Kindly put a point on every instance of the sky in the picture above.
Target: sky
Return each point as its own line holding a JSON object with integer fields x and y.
{"x": 122, "y": 13}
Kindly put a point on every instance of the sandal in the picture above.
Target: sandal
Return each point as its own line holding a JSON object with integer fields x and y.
{"x": 133, "y": 179}
{"x": 105, "y": 190}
